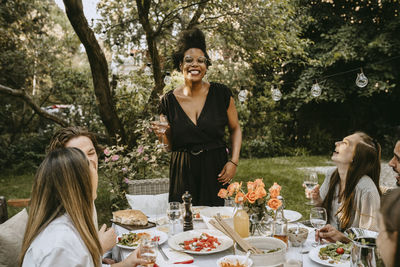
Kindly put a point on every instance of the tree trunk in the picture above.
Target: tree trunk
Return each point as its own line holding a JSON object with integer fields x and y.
{"x": 98, "y": 66}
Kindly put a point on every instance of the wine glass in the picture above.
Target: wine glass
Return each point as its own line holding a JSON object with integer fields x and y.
{"x": 148, "y": 251}
{"x": 162, "y": 124}
{"x": 310, "y": 181}
{"x": 173, "y": 213}
{"x": 318, "y": 218}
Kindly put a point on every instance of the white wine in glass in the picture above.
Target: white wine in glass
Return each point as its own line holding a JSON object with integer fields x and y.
{"x": 148, "y": 251}
{"x": 310, "y": 182}
{"x": 162, "y": 124}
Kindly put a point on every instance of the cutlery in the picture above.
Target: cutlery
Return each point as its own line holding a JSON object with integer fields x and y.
{"x": 162, "y": 252}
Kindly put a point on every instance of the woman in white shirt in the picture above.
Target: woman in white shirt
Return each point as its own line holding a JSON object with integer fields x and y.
{"x": 60, "y": 230}
{"x": 351, "y": 194}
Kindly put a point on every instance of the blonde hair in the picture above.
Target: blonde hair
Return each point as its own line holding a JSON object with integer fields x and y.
{"x": 63, "y": 184}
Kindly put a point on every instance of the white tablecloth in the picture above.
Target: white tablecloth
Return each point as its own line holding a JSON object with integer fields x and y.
{"x": 211, "y": 259}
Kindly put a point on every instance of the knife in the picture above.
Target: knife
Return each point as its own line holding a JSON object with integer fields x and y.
{"x": 162, "y": 252}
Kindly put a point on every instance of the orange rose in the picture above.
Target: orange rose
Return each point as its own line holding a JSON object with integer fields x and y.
{"x": 223, "y": 193}
{"x": 260, "y": 192}
{"x": 274, "y": 203}
{"x": 275, "y": 190}
{"x": 251, "y": 196}
{"x": 259, "y": 182}
{"x": 232, "y": 188}
{"x": 240, "y": 197}
{"x": 251, "y": 186}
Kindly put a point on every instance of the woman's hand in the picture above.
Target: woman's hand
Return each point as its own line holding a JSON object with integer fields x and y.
{"x": 132, "y": 260}
{"x": 107, "y": 238}
{"x": 330, "y": 234}
{"x": 227, "y": 173}
{"x": 315, "y": 196}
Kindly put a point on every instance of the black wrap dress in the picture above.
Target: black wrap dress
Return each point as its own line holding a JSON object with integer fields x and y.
{"x": 198, "y": 151}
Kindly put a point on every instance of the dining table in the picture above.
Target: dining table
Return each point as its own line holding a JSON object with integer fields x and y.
{"x": 210, "y": 260}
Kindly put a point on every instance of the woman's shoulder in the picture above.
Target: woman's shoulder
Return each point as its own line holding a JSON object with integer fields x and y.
{"x": 366, "y": 185}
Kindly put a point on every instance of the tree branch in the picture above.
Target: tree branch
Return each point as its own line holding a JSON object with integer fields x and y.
{"x": 27, "y": 99}
{"x": 195, "y": 19}
{"x": 98, "y": 66}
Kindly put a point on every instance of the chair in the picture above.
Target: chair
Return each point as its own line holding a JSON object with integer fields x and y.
{"x": 149, "y": 186}
{"x": 20, "y": 203}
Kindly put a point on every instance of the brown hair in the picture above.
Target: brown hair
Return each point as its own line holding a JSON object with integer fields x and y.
{"x": 63, "y": 135}
{"x": 63, "y": 184}
{"x": 390, "y": 210}
{"x": 366, "y": 161}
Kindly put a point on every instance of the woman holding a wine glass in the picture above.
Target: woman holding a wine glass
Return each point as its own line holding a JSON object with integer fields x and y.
{"x": 198, "y": 112}
{"x": 351, "y": 194}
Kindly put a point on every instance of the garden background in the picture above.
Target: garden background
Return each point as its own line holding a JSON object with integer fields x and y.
{"x": 59, "y": 69}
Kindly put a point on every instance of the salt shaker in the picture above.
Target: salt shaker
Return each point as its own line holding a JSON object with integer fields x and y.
{"x": 188, "y": 216}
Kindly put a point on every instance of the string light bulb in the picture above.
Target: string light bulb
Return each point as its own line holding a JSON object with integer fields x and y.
{"x": 242, "y": 96}
{"x": 361, "y": 80}
{"x": 316, "y": 90}
{"x": 147, "y": 69}
{"x": 167, "y": 78}
{"x": 275, "y": 94}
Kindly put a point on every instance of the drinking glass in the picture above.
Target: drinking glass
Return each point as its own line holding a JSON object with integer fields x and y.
{"x": 173, "y": 213}
{"x": 318, "y": 218}
{"x": 148, "y": 251}
{"x": 162, "y": 124}
{"x": 310, "y": 182}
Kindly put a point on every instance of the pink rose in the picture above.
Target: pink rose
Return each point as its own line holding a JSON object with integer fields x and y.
{"x": 145, "y": 158}
{"x": 124, "y": 169}
{"x": 107, "y": 152}
{"x": 115, "y": 158}
{"x": 106, "y": 159}
{"x": 126, "y": 180}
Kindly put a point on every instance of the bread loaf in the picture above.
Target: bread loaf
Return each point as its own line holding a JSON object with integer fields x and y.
{"x": 130, "y": 217}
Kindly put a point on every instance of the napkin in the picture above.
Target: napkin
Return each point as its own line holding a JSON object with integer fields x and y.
{"x": 175, "y": 257}
{"x": 153, "y": 206}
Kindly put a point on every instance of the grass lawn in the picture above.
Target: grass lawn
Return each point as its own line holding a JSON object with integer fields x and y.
{"x": 283, "y": 170}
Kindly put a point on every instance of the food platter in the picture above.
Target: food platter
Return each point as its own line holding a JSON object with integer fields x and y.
{"x": 314, "y": 256}
{"x": 163, "y": 237}
{"x": 135, "y": 227}
{"x": 176, "y": 242}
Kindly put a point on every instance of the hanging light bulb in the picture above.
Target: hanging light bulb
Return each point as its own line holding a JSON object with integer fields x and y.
{"x": 316, "y": 90}
{"x": 147, "y": 69}
{"x": 361, "y": 80}
{"x": 243, "y": 95}
{"x": 114, "y": 48}
{"x": 276, "y": 94}
{"x": 103, "y": 35}
{"x": 167, "y": 78}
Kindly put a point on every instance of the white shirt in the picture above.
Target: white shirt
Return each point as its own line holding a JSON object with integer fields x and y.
{"x": 59, "y": 244}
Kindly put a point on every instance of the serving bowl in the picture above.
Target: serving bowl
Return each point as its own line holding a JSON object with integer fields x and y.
{"x": 265, "y": 244}
{"x": 297, "y": 236}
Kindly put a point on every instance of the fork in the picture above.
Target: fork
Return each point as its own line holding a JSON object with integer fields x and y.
{"x": 162, "y": 252}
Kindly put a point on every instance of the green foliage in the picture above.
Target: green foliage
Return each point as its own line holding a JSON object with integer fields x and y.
{"x": 122, "y": 164}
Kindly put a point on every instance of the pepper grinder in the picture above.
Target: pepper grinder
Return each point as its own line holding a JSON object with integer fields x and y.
{"x": 188, "y": 217}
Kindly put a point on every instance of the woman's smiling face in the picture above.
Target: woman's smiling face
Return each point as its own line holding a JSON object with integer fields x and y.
{"x": 194, "y": 65}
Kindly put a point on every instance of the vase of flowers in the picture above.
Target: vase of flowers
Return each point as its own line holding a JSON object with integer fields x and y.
{"x": 255, "y": 200}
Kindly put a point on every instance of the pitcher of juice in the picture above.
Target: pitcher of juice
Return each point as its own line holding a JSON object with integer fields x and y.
{"x": 241, "y": 222}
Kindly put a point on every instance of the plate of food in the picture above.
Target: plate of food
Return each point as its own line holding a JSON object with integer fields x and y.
{"x": 234, "y": 261}
{"x": 131, "y": 219}
{"x": 200, "y": 242}
{"x": 132, "y": 239}
{"x": 333, "y": 254}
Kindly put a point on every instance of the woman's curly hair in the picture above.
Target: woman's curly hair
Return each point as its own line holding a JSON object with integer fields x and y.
{"x": 193, "y": 38}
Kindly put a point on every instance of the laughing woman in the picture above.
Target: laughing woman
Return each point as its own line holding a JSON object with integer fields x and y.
{"x": 351, "y": 195}
{"x": 198, "y": 112}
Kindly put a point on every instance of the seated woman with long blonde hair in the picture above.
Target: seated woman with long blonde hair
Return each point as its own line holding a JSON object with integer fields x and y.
{"x": 60, "y": 230}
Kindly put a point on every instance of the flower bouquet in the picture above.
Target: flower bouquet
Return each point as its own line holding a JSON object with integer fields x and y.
{"x": 256, "y": 199}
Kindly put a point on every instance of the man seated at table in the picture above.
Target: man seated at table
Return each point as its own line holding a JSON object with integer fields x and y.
{"x": 86, "y": 141}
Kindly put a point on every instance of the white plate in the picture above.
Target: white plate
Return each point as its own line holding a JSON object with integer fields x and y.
{"x": 314, "y": 256}
{"x": 233, "y": 259}
{"x": 226, "y": 212}
{"x": 173, "y": 242}
{"x": 163, "y": 237}
{"x": 292, "y": 215}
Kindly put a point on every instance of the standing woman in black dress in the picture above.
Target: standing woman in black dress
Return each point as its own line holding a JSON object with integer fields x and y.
{"x": 198, "y": 112}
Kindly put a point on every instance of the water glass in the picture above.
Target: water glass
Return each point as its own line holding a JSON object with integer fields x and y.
{"x": 173, "y": 214}
{"x": 162, "y": 124}
{"x": 318, "y": 218}
{"x": 310, "y": 182}
{"x": 148, "y": 251}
